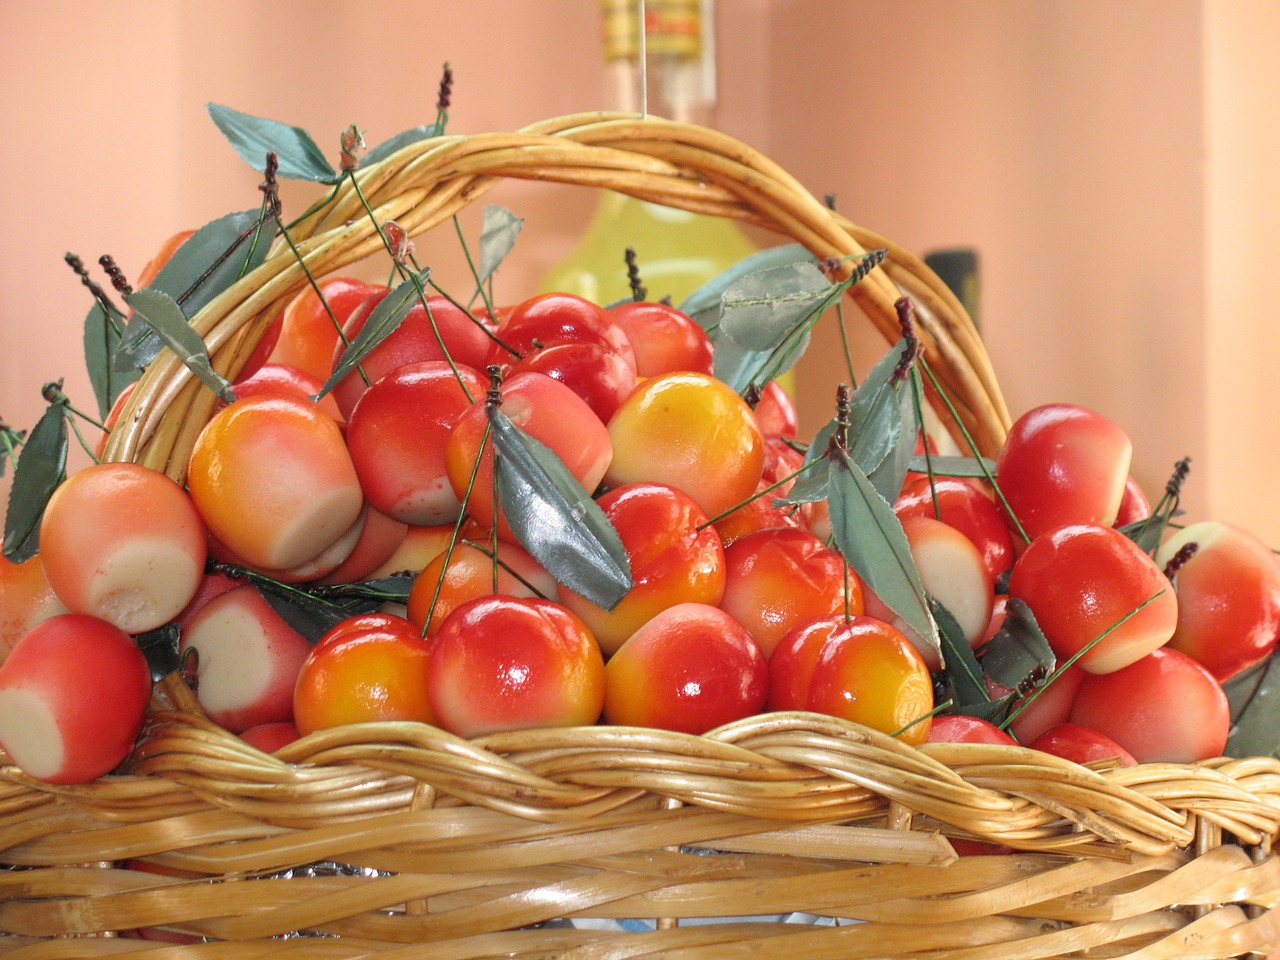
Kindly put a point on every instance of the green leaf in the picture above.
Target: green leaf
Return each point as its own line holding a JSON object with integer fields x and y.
{"x": 309, "y": 615}
{"x": 964, "y": 673}
{"x": 211, "y": 260}
{"x": 255, "y": 137}
{"x": 765, "y": 321}
{"x": 1254, "y": 700}
{"x": 879, "y": 412}
{"x": 42, "y": 465}
{"x": 871, "y": 538}
{"x": 759, "y": 310}
{"x": 392, "y": 589}
{"x": 399, "y": 142}
{"x": 103, "y": 331}
{"x": 555, "y": 519}
{"x": 1018, "y": 654}
{"x": 952, "y": 466}
{"x": 162, "y": 313}
{"x": 383, "y": 321}
{"x": 497, "y": 237}
{"x": 703, "y": 305}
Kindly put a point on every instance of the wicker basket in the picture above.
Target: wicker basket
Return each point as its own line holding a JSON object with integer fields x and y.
{"x": 401, "y": 840}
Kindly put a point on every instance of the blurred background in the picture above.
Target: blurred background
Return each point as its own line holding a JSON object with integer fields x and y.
{"x": 1114, "y": 165}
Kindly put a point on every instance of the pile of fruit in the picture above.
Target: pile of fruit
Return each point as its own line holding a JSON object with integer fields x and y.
{"x": 486, "y": 518}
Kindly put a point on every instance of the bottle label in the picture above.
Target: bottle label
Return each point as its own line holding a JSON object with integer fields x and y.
{"x": 672, "y": 28}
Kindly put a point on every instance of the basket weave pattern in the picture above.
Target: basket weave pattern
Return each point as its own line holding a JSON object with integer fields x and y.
{"x": 381, "y": 839}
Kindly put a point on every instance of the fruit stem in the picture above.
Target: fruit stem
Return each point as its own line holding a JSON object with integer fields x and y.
{"x": 1062, "y": 668}
{"x": 444, "y": 97}
{"x": 973, "y": 447}
{"x": 939, "y": 708}
{"x": 455, "y": 534}
{"x": 760, "y": 493}
{"x": 112, "y": 313}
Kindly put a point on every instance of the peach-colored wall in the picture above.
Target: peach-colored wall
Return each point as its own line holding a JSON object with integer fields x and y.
{"x": 1093, "y": 151}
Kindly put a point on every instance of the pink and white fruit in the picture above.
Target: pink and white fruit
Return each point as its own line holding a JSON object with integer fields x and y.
{"x": 247, "y": 660}
{"x": 273, "y": 481}
{"x": 1081, "y": 581}
{"x": 962, "y": 504}
{"x": 397, "y": 435}
{"x": 73, "y": 695}
{"x": 1165, "y": 707}
{"x": 953, "y": 572}
{"x": 506, "y": 663}
{"x": 123, "y": 542}
{"x": 691, "y": 668}
{"x": 1063, "y": 464}
{"x": 664, "y": 339}
{"x": 1228, "y": 597}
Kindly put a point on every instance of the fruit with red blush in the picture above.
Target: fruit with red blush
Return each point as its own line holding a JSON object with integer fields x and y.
{"x": 663, "y": 339}
{"x": 510, "y": 663}
{"x": 858, "y": 668}
{"x": 959, "y": 728}
{"x": 962, "y": 504}
{"x": 1071, "y": 741}
{"x": 675, "y": 557}
{"x": 778, "y": 578}
{"x": 1228, "y": 596}
{"x": 1084, "y": 580}
{"x": 1063, "y": 464}
{"x": 691, "y": 668}
{"x": 1164, "y": 708}
{"x": 73, "y": 694}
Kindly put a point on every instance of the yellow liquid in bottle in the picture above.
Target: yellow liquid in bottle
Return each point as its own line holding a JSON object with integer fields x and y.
{"x": 676, "y": 252}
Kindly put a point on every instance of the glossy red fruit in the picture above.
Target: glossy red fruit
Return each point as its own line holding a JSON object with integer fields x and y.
{"x": 858, "y": 668}
{"x": 663, "y": 339}
{"x": 444, "y": 332}
{"x": 1084, "y": 579}
{"x": 779, "y": 578}
{"x": 1228, "y": 597}
{"x": 691, "y": 668}
{"x": 675, "y": 557}
{"x": 505, "y": 663}
{"x": 1080, "y": 744}
{"x": 397, "y": 436}
{"x": 1063, "y": 464}
{"x": 573, "y": 341}
{"x": 1165, "y": 707}
{"x": 957, "y": 728}
{"x": 549, "y": 412}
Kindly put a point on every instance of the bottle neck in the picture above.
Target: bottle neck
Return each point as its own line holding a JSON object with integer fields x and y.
{"x": 678, "y": 48}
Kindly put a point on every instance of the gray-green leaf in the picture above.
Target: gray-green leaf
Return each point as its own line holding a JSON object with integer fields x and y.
{"x": 42, "y": 465}
{"x": 952, "y": 466}
{"x": 212, "y": 259}
{"x": 383, "y": 321}
{"x": 399, "y": 142}
{"x": 703, "y": 305}
{"x": 1019, "y": 652}
{"x": 103, "y": 331}
{"x": 497, "y": 236}
{"x": 255, "y": 137}
{"x": 872, "y": 540}
{"x": 162, "y": 313}
{"x": 1254, "y": 700}
{"x": 555, "y": 519}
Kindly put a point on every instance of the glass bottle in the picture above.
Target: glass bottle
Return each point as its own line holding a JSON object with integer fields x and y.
{"x": 676, "y": 251}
